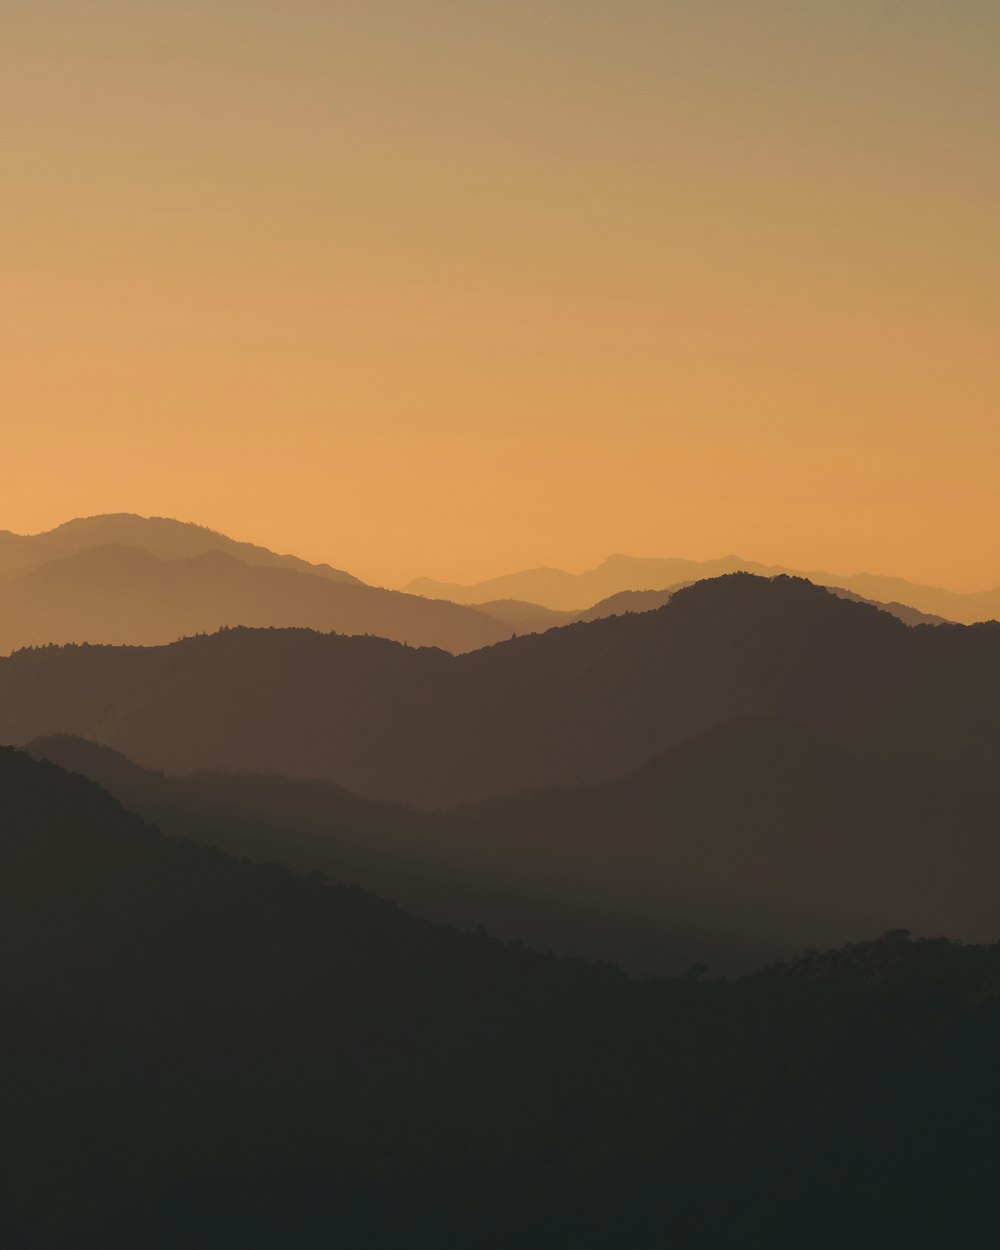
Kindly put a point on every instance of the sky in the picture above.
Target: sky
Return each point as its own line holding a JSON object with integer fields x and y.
{"x": 458, "y": 287}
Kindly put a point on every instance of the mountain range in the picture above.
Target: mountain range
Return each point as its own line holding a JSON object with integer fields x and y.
{"x": 125, "y": 595}
{"x": 272, "y": 902}
{"x": 158, "y": 536}
{"x": 203, "y": 1051}
{"x": 583, "y": 703}
{"x": 144, "y": 581}
{"x": 749, "y": 843}
{"x": 561, "y": 591}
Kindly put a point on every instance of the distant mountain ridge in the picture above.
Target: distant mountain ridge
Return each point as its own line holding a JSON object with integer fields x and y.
{"x": 141, "y": 581}
{"x": 558, "y": 590}
{"x": 533, "y": 618}
{"x": 586, "y": 702}
{"x": 159, "y": 536}
{"x": 574, "y": 592}
{"x": 126, "y": 596}
{"x": 128, "y": 580}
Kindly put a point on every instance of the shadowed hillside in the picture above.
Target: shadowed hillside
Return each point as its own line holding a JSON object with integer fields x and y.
{"x": 752, "y": 842}
{"x": 123, "y": 595}
{"x": 200, "y": 1051}
{"x": 587, "y": 702}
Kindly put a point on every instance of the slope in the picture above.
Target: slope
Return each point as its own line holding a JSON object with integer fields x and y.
{"x": 587, "y": 702}
{"x": 204, "y": 1052}
{"x": 158, "y": 536}
{"x": 575, "y": 592}
{"x": 749, "y": 843}
{"x": 124, "y": 595}
{"x": 557, "y": 589}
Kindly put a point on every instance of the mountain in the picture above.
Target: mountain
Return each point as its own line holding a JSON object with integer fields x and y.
{"x": 143, "y": 581}
{"x": 574, "y": 592}
{"x": 583, "y": 703}
{"x": 760, "y": 834}
{"x": 455, "y": 869}
{"x": 556, "y": 589}
{"x": 124, "y": 595}
{"x": 968, "y": 608}
{"x": 158, "y": 536}
{"x": 249, "y": 1032}
{"x": 902, "y": 611}
{"x": 532, "y": 618}
{"x": 206, "y": 1052}
{"x": 626, "y": 601}
{"x": 749, "y": 843}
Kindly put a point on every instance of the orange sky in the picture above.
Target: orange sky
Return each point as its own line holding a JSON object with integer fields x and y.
{"x": 455, "y": 288}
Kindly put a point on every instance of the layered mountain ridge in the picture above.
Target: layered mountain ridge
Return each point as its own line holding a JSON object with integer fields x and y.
{"x": 121, "y": 595}
{"x": 585, "y": 702}
{"x": 159, "y": 536}
{"x": 748, "y": 843}
{"x": 206, "y": 1051}
{"x": 123, "y": 579}
{"x": 558, "y": 590}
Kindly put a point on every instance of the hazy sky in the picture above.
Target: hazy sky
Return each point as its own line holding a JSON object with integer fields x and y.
{"x": 457, "y": 287}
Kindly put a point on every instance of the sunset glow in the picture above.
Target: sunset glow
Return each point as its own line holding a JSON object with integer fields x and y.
{"x": 452, "y": 289}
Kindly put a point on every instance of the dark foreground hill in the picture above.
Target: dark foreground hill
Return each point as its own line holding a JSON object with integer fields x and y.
{"x": 127, "y": 596}
{"x": 749, "y": 843}
{"x": 204, "y": 1052}
{"x": 584, "y": 703}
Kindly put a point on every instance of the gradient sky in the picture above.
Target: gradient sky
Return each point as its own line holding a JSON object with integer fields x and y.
{"x": 453, "y": 288}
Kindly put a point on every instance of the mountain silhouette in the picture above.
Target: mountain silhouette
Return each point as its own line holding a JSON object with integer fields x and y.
{"x": 902, "y": 611}
{"x": 574, "y": 592}
{"x": 158, "y": 536}
{"x": 759, "y": 831}
{"x": 245, "y": 1028}
{"x": 124, "y": 595}
{"x": 557, "y": 589}
{"x": 143, "y": 581}
{"x": 583, "y": 703}
{"x": 532, "y": 618}
{"x": 203, "y": 1051}
{"x": 456, "y": 869}
{"x": 749, "y": 843}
